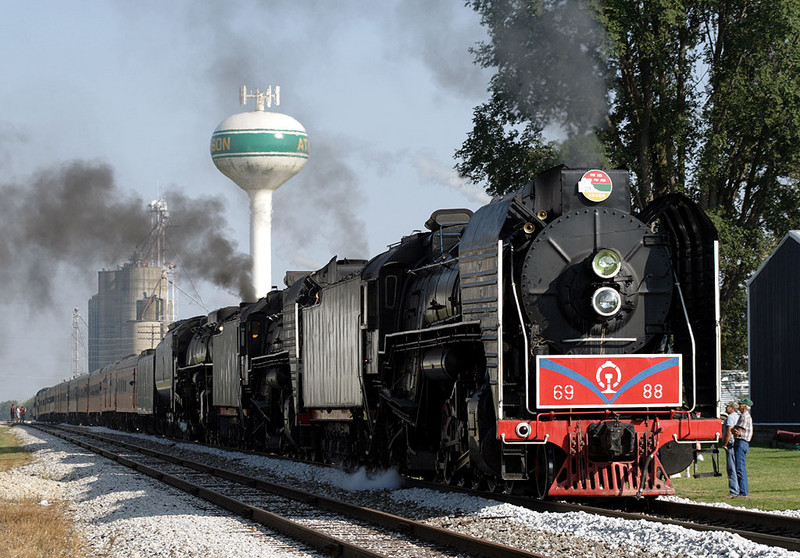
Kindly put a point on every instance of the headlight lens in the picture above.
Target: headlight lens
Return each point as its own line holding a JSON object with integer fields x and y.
{"x": 606, "y": 301}
{"x": 606, "y": 263}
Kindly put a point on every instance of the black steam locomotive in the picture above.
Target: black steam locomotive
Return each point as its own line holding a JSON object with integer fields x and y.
{"x": 552, "y": 342}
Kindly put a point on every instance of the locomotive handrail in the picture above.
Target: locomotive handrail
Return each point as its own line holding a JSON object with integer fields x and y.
{"x": 675, "y": 437}
{"x": 500, "y": 329}
{"x": 601, "y": 340}
{"x": 366, "y": 411}
{"x": 297, "y": 332}
{"x": 271, "y": 356}
{"x": 530, "y": 442}
{"x": 431, "y": 329}
{"x": 525, "y": 341}
{"x": 691, "y": 336}
{"x": 451, "y": 259}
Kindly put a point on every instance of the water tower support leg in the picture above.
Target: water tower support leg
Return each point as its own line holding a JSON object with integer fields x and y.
{"x": 261, "y": 240}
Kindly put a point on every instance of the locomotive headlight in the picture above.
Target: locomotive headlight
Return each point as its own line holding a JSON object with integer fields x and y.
{"x": 606, "y": 263}
{"x": 606, "y": 301}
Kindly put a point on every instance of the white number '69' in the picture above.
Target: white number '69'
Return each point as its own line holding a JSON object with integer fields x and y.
{"x": 563, "y": 392}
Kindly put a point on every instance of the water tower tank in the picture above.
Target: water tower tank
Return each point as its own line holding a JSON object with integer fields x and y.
{"x": 259, "y": 151}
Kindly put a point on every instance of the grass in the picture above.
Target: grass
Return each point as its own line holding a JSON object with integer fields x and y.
{"x": 773, "y": 478}
{"x": 10, "y": 453}
{"x": 30, "y": 530}
{"x": 27, "y": 528}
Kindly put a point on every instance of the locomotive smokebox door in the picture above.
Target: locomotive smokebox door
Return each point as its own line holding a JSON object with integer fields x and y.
{"x": 597, "y": 273}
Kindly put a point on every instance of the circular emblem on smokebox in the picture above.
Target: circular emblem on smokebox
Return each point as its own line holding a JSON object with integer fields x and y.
{"x": 595, "y": 185}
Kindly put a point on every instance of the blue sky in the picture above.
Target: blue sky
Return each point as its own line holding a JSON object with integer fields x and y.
{"x": 385, "y": 90}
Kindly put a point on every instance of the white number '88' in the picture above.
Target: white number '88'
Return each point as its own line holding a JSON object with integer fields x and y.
{"x": 656, "y": 391}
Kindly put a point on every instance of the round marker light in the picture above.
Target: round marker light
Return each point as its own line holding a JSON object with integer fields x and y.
{"x": 523, "y": 430}
{"x": 606, "y": 301}
{"x": 606, "y": 263}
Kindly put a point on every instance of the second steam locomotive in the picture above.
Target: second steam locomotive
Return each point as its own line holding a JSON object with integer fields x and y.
{"x": 553, "y": 342}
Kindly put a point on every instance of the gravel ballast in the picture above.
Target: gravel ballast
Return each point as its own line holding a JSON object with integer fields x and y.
{"x": 122, "y": 513}
{"x": 125, "y": 514}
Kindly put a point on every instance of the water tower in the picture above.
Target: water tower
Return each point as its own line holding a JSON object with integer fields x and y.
{"x": 259, "y": 151}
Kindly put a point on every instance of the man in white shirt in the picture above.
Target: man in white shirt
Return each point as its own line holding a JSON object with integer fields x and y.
{"x": 727, "y": 443}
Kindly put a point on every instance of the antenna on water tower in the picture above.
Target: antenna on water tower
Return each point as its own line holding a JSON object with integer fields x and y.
{"x": 259, "y": 151}
{"x": 267, "y": 97}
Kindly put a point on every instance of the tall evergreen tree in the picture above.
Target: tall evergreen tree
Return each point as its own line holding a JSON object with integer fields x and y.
{"x": 695, "y": 96}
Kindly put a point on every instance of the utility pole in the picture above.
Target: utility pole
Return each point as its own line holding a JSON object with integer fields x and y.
{"x": 77, "y": 343}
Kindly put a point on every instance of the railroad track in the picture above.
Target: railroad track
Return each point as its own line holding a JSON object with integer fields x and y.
{"x": 329, "y": 525}
{"x": 760, "y": 523}
{"x": 763, "y": 528}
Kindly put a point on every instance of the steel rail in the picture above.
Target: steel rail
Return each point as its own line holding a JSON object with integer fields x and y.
{"x": 759, "y": 527}
{"x": 407, "y": 527}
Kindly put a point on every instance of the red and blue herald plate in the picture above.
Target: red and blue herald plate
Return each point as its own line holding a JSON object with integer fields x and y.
{"x": 608, "y": 381}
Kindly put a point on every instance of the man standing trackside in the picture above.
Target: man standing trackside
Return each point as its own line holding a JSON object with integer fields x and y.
{"x": 727, "y": 443}
{"x": 743, "y": 431}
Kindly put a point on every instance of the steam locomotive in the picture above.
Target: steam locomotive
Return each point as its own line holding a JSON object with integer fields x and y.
{"x": 552, "y": 343}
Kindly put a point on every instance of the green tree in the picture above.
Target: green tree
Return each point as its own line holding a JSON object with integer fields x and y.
{"x": 698, "y": 96}
{"x": 748, "y": 166}
{"x": 504, "y": 148}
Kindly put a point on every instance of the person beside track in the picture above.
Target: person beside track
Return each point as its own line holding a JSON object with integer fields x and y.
{"x": 743, "y": 431}
{"x": 728, "y": 443}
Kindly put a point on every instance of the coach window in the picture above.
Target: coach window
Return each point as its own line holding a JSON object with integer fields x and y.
{"x": 369, "y": 304}
{"x": 390, "y": 291}
{"x": 364, "y": 305}
{"x": 257, "y": 337}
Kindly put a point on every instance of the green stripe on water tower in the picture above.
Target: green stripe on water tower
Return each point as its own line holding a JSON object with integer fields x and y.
{"x": 226, "y": 144}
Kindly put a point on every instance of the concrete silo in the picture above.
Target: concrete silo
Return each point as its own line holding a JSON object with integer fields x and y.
{"x": 135, "y": 303}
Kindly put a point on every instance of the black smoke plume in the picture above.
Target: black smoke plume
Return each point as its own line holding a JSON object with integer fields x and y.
{"x": 73, "y": 218}
{"x": 195, "y": 234}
